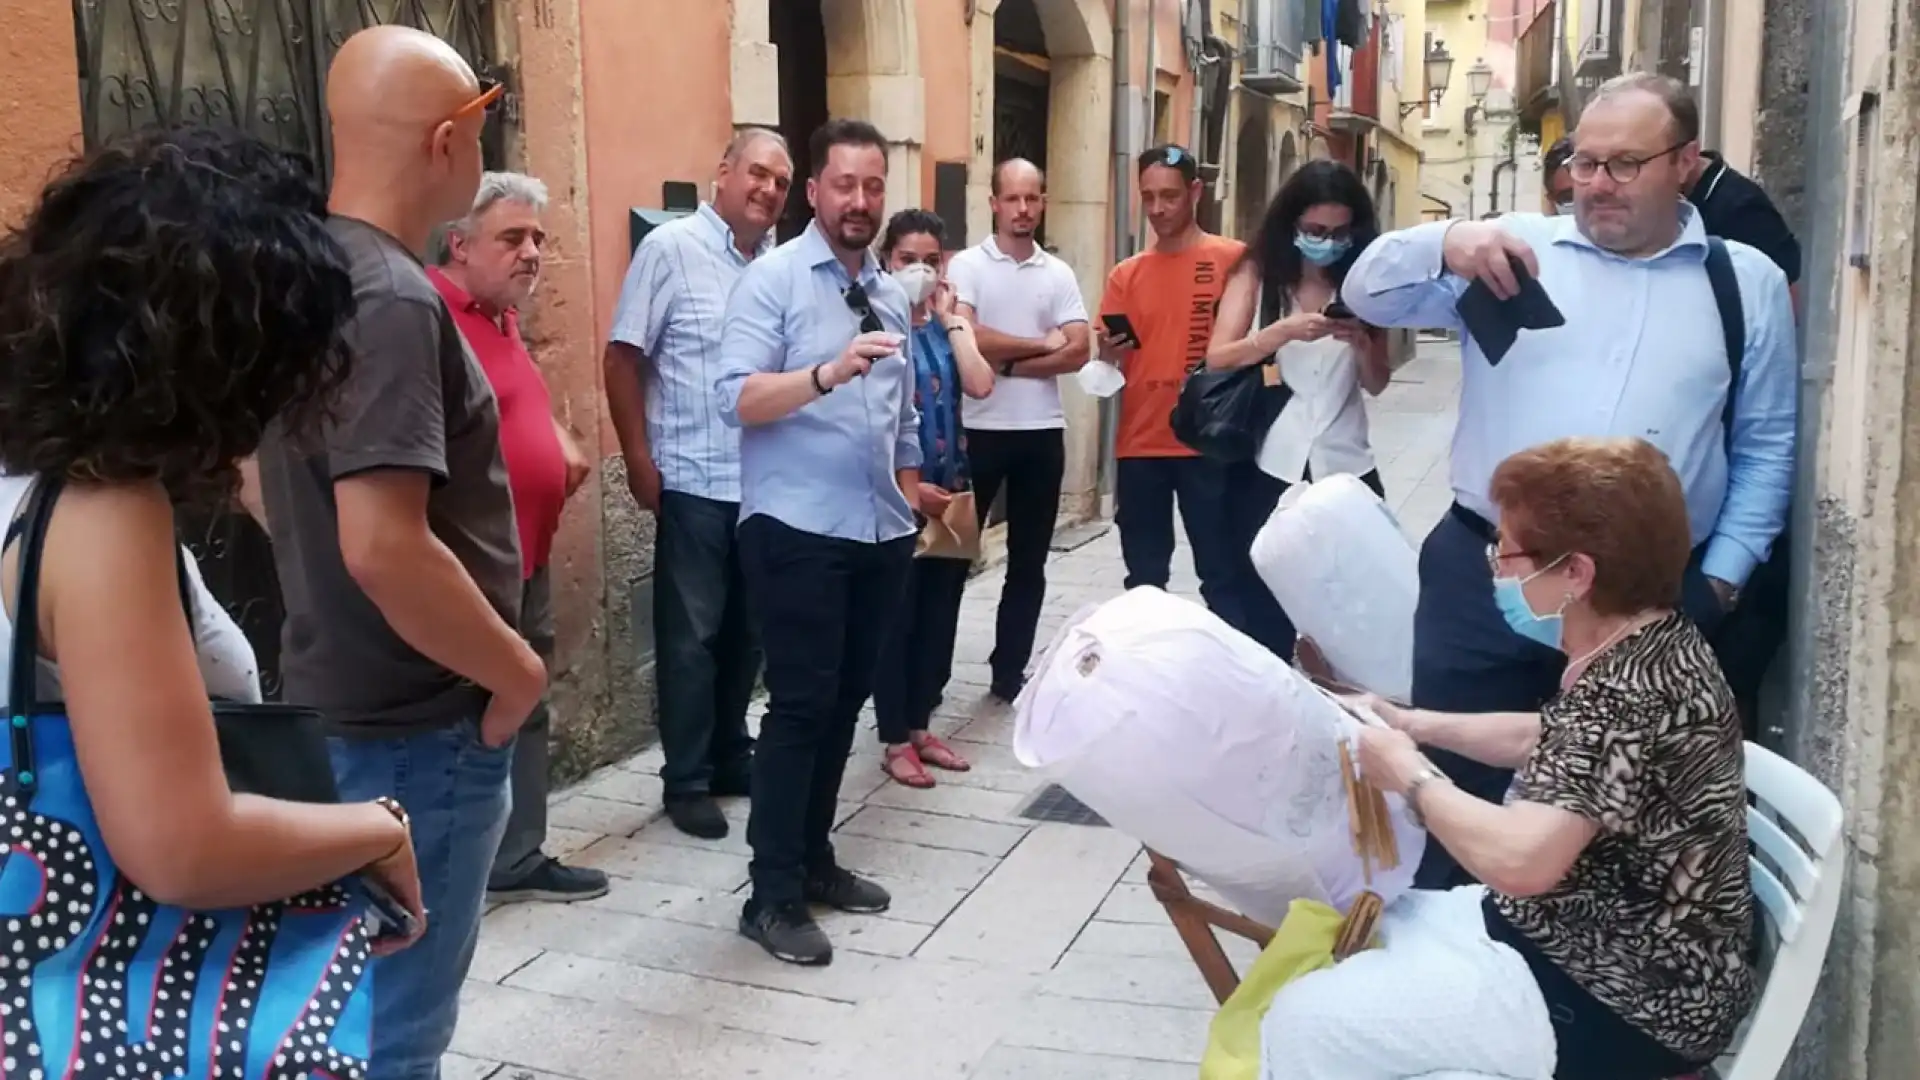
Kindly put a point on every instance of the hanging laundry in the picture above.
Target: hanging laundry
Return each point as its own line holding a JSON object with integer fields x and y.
{"x": 1350, "y": 24}
{"x": 1329, "y": 33}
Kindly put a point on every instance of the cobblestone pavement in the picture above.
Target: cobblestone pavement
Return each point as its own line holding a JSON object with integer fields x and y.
{"x": 1014, "y": 950}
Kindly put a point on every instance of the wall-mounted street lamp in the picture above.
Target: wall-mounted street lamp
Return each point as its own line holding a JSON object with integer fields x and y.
{"x": 1479, "y": 81}
{"x": 1439, "y": 75}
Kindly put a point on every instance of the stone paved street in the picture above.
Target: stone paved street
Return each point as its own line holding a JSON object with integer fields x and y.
{"x": 1014, "y": 951}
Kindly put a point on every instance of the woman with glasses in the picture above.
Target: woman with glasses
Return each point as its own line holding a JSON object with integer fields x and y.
{"x": 947, "y": 363}
{"x": 169, "y": 296}
{"x": 1280, "y": 307}
{"x": 1616, "y": 869}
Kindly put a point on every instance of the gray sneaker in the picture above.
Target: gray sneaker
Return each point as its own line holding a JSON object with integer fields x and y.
{"x": 788, "y": 933}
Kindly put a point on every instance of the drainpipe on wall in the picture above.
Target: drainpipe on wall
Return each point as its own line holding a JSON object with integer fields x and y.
{"x": 1149, "y": 96}
{"x": 1122, "y": 215}
{"x": 1197, "y": 28}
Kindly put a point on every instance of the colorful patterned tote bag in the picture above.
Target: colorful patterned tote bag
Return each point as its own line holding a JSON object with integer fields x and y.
{"x": 97, "y": 979}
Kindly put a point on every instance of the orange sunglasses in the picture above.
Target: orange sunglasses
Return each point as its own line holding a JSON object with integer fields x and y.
{"x": 490, "y": 92}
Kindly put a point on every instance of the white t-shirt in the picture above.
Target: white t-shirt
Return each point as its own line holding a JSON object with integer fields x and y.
{"x": 1324, "y": 426}
{"x": 1029, "y": 299}
{"x": 227, "y": 663}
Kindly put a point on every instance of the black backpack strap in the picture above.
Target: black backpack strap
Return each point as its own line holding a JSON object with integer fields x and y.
{"x": 1733, "y": 323}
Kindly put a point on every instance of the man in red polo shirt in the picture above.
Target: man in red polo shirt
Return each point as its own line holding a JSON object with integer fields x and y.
{"x": 490, "y": 264}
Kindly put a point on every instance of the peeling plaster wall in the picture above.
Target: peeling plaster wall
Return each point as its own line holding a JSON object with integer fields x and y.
{"x": 39, "y": 99}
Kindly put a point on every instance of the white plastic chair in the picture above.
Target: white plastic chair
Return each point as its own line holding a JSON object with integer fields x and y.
{"x": 1798, "y": 885}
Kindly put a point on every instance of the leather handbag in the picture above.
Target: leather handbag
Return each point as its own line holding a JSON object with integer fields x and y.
{"x": 286, "y": 980}
{"x": 954, "y": 534}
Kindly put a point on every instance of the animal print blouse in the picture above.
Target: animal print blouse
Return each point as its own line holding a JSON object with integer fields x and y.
{"x": 1655, "y": 918}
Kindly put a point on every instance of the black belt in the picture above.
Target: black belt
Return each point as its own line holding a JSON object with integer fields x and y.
{"x": 1480, "y": 526}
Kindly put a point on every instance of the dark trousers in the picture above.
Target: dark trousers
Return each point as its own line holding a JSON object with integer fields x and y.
{"x": 1595, "y": 1043}
{"x": 917, "y": 660}
{"x": 1252, "y": 496}
{"x": 1030, "y": 465}
{"x": 1752, "y": 633}
{"x": 708, "y": 657}
{"x": 520, "y": 845}
{"x": 1466, "y": 659}
{"x": 1145, "y": 490}
{"x": 824, "y": 607}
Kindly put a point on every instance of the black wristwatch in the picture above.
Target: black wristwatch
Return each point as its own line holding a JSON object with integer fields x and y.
{"x": 818, "y": 386}
{"x": 1006, "y": 369}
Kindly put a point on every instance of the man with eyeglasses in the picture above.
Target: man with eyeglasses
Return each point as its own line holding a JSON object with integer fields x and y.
{"x": 1644, "y": 352}
{"x": 812, "y": 372}
{"x": 394, "y": 533}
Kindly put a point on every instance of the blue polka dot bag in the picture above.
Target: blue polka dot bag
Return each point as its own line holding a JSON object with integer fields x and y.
{"x": 99, "y": 980}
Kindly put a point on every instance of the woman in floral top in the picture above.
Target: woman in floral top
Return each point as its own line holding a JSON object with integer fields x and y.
{"x": 947, "y": 362}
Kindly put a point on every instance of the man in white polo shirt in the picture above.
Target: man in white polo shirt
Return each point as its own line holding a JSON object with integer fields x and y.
{"x": 1031, "y": 324}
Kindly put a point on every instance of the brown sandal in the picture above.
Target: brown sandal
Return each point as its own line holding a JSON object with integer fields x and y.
{"x": 903, "y": 764}
{"x": 938, "y": 754}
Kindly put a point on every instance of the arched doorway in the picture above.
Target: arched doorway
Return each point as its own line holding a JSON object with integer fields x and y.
{"x": 1252, "y": 181}
{"x": 850, "y": 58}
{"x": 1022, "y": 84}
{"x": 1289, "y": 160}
{"x": 266, "y": 74}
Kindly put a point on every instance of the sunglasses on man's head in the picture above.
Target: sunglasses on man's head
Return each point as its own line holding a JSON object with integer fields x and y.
{"x": 859, "y": 304}
{"x": 485, "y": 101}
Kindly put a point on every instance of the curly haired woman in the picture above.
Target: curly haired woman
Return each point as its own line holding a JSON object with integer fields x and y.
{"x": 169, "y": 295}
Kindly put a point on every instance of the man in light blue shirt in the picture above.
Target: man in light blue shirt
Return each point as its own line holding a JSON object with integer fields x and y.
{"x": 683, "y": 464}
{"x": 812, "y": 369}
{"x": 1643, "y": 353}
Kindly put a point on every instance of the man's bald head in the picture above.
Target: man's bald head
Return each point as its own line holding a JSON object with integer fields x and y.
{"x": 1019, "y": 199}
{"x": 1017, "y": 170}
{"x": 406, "y": 111}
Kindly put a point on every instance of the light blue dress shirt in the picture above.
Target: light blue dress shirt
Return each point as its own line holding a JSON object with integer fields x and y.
{"x": 1642, "y": 353}
{"x": 672, "y": 304}
{"x": 828, "y": 467}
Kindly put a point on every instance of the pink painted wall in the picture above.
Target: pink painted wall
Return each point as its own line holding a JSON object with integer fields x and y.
{"x": 39, "y": 99}
{"x": 1169, "y": 57}
{"x": 947, "y": 70}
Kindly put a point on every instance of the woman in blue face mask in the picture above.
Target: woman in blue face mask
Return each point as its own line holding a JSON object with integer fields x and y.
{"x": 1617, "y": 866}
{"x": 1279, "y": 308}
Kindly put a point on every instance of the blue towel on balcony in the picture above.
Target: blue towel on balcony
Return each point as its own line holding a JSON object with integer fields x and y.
{"x": 1330, "y": 42}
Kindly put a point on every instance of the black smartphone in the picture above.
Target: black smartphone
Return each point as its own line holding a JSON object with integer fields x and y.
{"x": 1339, "y": 310}
{"x": 1120, "y": 328}
{"x": 387, "y": 918}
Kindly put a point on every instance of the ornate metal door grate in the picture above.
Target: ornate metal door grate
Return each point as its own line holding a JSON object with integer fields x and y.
{"x": 259, "y": 64}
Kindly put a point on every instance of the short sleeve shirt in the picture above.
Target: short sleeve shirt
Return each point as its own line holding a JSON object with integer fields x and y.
{"x": 1733, "y": 207}
{"x": 1655, "y": 918}
{"x": 1026, "y": 298}
{"x": 415, "y": 399}
{"x": 1171, "y": 300}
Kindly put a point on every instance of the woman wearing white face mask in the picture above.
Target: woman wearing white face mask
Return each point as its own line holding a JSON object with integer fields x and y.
{"x": 1279, "y": 306}
{"x": 919, "y": 657}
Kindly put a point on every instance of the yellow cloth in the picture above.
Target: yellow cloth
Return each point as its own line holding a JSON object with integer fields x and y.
{"x": 1303, "y": 944}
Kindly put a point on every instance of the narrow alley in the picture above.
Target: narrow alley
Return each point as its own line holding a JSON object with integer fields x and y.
{"x": 1015, "y": 950}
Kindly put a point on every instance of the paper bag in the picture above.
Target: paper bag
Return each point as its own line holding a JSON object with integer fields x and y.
{"x": 954, "y": 534}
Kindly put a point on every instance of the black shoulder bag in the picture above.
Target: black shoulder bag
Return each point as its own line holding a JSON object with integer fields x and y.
{"x": 1226, "y": 414}
{"x": 274, "y": 750}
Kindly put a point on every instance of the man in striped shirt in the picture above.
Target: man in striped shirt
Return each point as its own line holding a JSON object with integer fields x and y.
{"x": 683, "y": 464}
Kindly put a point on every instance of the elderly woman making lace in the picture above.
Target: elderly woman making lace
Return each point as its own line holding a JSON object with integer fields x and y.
{"x": 1617, "y": 869}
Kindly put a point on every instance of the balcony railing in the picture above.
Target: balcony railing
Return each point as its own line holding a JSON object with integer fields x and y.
{"x": 1273, "y": 42}
{"x": 1537, "y": 61}
{"x": 1598, "y": 55}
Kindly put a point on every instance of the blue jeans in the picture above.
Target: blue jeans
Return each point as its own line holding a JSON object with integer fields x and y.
{"x": 457, "y": 792}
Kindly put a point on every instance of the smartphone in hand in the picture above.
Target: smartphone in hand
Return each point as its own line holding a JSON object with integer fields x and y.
{"x": 1120, "y": 329}
{"x": 387, "y": 918}
{"x": 1339, "y": 310}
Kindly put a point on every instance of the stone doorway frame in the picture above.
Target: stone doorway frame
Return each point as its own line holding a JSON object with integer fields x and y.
{"x": 1079, "y": 170}
{"x": 873, "y": 74}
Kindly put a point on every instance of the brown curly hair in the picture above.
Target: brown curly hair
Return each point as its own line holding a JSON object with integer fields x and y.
{"x": 170, "y": 295}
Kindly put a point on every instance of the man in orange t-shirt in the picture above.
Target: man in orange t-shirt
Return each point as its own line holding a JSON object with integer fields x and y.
{"x": 1168, "y": 294}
